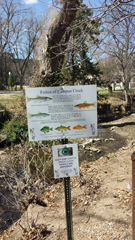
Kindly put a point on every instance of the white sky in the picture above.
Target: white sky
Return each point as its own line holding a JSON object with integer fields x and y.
{"x": 40, "y": 6}
{"x": 31, "y": 1}
{"x": 49, "y": 2}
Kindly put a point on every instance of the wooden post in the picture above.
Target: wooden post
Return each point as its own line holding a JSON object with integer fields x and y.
{"x": 133, "y": 193}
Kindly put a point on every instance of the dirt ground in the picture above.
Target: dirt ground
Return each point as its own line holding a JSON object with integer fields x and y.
{"x": 101, "y": 199}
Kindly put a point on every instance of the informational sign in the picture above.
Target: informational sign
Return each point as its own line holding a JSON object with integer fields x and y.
{"x": 65, "y": 160}
{"x": 61, "y": 112}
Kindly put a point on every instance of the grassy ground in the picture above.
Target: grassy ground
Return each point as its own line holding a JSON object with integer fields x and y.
{"x": 104, "y": 94}
{"x": 12, "y": 102}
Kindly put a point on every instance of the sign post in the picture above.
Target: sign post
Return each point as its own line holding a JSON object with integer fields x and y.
{"x": 133, "y": 192}
{"x": 68, "y": 204}
{"x": 66, "y": 164}
{"x": 68, "y": 207}
{"x": 62, "y": 113}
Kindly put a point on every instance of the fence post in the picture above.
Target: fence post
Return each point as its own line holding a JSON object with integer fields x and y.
{"x": 133, "y": 193}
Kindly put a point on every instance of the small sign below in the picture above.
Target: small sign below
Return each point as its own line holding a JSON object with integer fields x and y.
{"x": 65, "y": 160}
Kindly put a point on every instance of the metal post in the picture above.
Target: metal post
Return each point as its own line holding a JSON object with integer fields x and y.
{"x": 68, "y": 204}
{"x": 133, "y": 192}
{"x": 68, "y": 208}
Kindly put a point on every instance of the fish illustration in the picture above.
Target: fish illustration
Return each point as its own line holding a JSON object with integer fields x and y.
{"x": 39, "y": 114}
{"x": 85, "y": 105}
{"x": 79, "y": 127}
{"x": 38, "y": 98}
{"x": 46, "y": 129}
{"x": 62, "y": 128}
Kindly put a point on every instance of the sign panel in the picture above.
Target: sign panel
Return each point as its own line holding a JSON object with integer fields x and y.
{"x": 65, "y": 160}
{"x": 61, "y": 112}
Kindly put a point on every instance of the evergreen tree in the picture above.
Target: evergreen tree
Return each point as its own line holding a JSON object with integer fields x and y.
{"x": 78, "y": 67}
{"x": 11, "y": 81}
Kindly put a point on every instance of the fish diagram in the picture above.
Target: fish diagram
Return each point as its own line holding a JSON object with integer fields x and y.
{"x": 39, "y": 98}
{"x": 85, "y": 105}
{"x": 61, "y": 128}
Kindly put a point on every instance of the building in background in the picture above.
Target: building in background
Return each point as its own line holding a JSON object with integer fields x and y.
{"x": 9, "y": 64}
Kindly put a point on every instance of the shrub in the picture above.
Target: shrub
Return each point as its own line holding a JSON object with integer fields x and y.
{"x": 17, "y": 130}
{"x": 11, "y": 81}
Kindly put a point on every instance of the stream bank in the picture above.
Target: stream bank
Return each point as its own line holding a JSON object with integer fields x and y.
{"x": 111, "y": 137}
{"x": 90, "y": 150}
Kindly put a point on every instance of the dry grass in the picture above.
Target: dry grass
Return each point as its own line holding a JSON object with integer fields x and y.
{"x": 12, "y": 102}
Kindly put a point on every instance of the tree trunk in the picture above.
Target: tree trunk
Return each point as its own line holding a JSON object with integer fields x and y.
{"x": 21, "y": 82}
{"x": 1, "y": 72}
{"x": 72, "y": 61}
{"x": 128, "y": 101}
{"x": 109, "y": 89}
{"x": 127, "y": 97}
{"x": 58, "y": 37}
{"x": 114, "y": 86}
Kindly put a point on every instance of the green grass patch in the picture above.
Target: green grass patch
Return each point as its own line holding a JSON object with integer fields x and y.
{"x": 115, "y": 195}
{"x": 119, "y": 180}
{"x": 103, "y": 94}
{"x": 113, "y": 156}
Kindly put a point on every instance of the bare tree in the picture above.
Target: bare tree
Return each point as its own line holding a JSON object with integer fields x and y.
{"x": 121, "y": 46}
{"x": 108, "y": 69}
{"x": 11, "y": 21}
{"x": 26, "y": 41}
{"x": 9, "y": 11}
{"x": 19, "y": 34}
